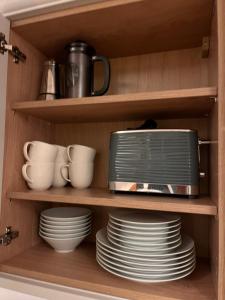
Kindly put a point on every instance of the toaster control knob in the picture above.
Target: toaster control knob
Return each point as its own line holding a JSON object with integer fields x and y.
{"x": 202, "y": 174}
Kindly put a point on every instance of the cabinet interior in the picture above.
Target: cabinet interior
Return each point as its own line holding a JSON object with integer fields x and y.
{"x": 176, "y": 66}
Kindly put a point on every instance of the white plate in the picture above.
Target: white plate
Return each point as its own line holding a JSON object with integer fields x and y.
{"x": 65, "y": 227}
{"x": 65, "y": 213}
{"x": 187, "y": 245}
{"x": 148, "y": 269}
{"x": 144, "y": 228}
{"x": 66, "y": 231}
{"x": 138, "y": 243}
{"x": 136, "y": 239}
{"x": 143, "y": 235}
{"x": 145, "y": 271}
{"x": 151, "y": 263}
{"x": 144, "y": 259}
{"x": 66, "y": 223}
{"x": 144, "y": 275}
{"x": 138, "y": 217}
{"x": 121, "y": 275}
{"x": 64, "y": 236}
{"x": 157, "y": 249}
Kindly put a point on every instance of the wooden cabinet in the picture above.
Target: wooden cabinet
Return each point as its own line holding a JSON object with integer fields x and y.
{"x": 158, "y": 71}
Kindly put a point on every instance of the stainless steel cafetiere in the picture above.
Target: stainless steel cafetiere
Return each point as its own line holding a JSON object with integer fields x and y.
{"x": 80, "y": 71}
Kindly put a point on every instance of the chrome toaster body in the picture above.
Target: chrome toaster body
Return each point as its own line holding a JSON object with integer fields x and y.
{"x": 154, "y": 161}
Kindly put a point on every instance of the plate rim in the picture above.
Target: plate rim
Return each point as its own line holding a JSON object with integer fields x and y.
{"x": 144, "y": 280}
{"x": 170, "y": 260}
{"x": 144, "y": 227}
{"x": 103, "y": 230}
{"x": 185, "y": 264}
{"x": 178, "y": 217}
{"x": 138, "y": 240}
{"x": 144, "y": 233}
{"x": 143, "y": 250}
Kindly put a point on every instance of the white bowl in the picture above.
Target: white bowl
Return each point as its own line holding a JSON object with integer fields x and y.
{"x": 62, "y": 227}
{"x": 64, "y": 245}
{"x": 65, "y": 214}
{"x": 66, "y": 223}
{"x": 64, "y": 236}
{"x": 65, "y": 231}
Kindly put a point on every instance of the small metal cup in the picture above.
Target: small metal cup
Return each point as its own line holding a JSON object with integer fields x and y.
{"x": 49, "y": 83}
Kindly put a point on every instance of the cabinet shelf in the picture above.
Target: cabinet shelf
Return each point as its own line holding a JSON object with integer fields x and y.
{"x": 102, "y": 197}
{"x": 137, "y": 106}
{"x": 79, "y": 269}
{"x": 153, "y": 26}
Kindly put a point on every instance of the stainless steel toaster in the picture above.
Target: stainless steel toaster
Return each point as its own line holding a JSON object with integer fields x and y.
{"x": 155, "y": 161}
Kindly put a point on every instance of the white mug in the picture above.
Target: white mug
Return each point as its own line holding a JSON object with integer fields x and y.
{"x": 39, "y": 152}
{"x": 39, "y": 176}
{"x": 77, "y": 153}
{"x": 61, "y": 156}
{"x": 80, "y": 174}
{"x": 61, "y": 159}
{"x": 58, "y": 179}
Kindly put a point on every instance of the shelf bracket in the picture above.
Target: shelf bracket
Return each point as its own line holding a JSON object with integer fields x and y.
{"x": 8, "y": 236}
{"x": 205, "y": 47}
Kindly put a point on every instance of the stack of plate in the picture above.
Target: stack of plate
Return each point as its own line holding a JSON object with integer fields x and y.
{"x": 145, "y": 246}
{"x": 64, "y": 228}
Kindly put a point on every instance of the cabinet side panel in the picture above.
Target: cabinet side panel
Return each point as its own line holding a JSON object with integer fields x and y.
{"x": 213, "y": 80}
{"x": 23, "y": 83}
{"x": 221, "y": 126}
{"x": 5, "y": 26}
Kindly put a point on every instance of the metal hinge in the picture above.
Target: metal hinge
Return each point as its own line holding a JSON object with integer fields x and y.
{"x": 8, "y": 236}
{"x": 13, "y": 50}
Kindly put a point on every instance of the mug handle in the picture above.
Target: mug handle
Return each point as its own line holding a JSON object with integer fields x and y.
{"x": 68, "y": 152}
{"x": 106, "y": 82}
{"x": 24, "y": 172}
{"x": 25, "y": 150}
{"x": 61, "y": 171}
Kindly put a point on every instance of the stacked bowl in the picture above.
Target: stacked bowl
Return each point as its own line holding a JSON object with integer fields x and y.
{"x": 145, "y": 246}
{"x": 64, "y": 228}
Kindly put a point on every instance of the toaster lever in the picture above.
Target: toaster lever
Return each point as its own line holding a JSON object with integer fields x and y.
{"x": 202, "y": 174}
{"x": 201, "y": 142}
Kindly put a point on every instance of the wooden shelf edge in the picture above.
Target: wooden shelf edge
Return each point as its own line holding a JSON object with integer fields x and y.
{"x": 114, "y": 99}
{"x": 79, "y": 269}
{"x": 136, "y": 106}
{"x": 102, "y": 197}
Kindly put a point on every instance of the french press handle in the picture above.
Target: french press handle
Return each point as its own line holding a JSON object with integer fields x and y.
{"x": 106, "y": 82}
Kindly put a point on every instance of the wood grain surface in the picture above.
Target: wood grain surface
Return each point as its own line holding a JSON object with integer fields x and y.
{"x": 79, "y": 269}
{"x": 166, "y": 104}
{"x": 126, "y": 27}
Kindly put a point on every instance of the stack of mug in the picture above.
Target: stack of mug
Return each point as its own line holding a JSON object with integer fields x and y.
{"x": 47, "y": 165}
{"x": 80, "y": 167}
